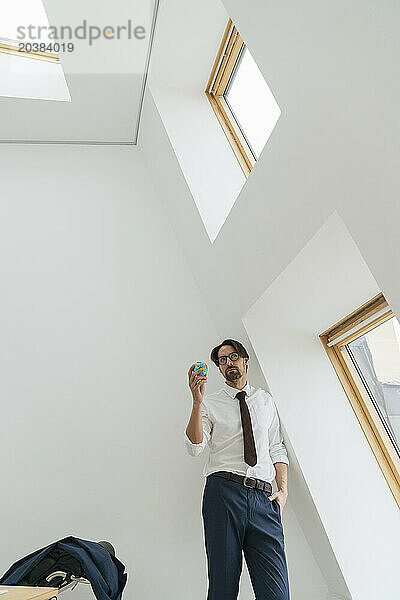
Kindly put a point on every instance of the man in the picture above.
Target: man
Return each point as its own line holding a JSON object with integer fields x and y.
{"x": 240, "y": 512}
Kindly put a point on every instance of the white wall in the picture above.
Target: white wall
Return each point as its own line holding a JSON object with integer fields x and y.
{"x": 100, "y": 319}
{"x": 203, "y": 152}
{"x": 324, "y": 283}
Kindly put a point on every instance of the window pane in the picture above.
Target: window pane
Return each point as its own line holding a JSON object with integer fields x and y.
{"x": 252, "y": 103}
{"x": 376, "y": 356}
{"x": 20, "y": 14}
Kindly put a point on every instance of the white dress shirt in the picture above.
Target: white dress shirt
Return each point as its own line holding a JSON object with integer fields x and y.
{"x": 222, "y": 430}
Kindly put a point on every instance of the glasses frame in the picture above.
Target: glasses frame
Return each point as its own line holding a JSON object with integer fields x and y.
{"x": 230, "y": 358}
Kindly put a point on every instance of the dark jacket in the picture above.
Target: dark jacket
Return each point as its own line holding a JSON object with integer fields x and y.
{"x": 104, "y": 571}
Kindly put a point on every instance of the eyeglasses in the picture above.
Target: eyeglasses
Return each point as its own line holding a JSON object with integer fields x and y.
{"x": 233, "y": 356}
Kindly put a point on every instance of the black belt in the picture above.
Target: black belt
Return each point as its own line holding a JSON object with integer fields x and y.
{"x": 249, "y": 482}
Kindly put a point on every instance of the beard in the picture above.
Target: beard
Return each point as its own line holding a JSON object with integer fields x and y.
{"x": 233, "y": 374}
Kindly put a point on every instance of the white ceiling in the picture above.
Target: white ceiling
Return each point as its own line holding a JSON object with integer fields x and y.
{"x": 106, "y": 79}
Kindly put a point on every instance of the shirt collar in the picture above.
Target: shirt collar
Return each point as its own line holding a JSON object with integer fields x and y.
{"x": 233, "y": 391}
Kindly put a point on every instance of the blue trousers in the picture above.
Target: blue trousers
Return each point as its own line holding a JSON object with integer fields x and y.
{"x": 240, "y": 520}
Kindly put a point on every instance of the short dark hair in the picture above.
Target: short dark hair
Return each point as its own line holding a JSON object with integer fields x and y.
{"x": 240, "y": 349}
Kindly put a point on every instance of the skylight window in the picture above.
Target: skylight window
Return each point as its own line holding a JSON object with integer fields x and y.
{"x": 28, "y": 69}
{"x": 364, "y": 349}
{"x": 241, "y": 99}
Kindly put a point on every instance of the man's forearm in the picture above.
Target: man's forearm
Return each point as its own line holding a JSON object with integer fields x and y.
{"x": 281, "y": 476}
{"x": 194, "y": 429}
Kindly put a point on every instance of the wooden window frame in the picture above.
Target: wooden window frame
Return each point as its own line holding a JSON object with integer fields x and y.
{"x": 364, "y": 319}
{"x": 229, "y": 51}
{"x": 13, "y": 47}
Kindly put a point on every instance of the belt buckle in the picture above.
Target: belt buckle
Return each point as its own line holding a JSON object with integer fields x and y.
{"x": 245, "y": 480}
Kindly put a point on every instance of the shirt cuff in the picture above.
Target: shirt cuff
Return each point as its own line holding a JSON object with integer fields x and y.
{"x": 194, "y": 449}
{"x": 189, "y": 441}
{"x": 280, "y": 458}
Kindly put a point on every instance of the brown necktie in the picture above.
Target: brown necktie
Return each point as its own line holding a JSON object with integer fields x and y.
{"x": 250, "y": 454}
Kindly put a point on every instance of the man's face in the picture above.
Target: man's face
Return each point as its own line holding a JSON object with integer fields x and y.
{"x": 234, "y": 368}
